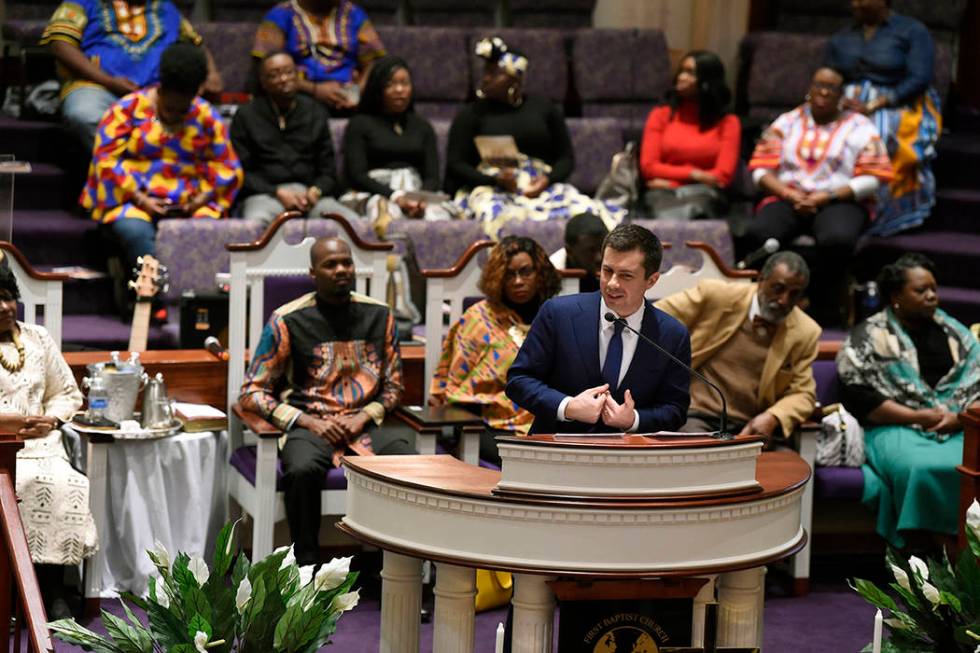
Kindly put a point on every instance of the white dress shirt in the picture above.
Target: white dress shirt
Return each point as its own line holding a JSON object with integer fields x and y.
{"x": 630, "y": 339}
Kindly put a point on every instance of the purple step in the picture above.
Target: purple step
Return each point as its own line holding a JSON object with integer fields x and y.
{"x": 957, "y": 156}
{"x": 56, "y": 237}
{"x": 957, "y": 209}
{"x": 30, "y": 140}
{"x": 954, "y": 253}
{"x": 961, "y": 303}
{"x": 47, "y": 187}
{"x": 107, "y": 332}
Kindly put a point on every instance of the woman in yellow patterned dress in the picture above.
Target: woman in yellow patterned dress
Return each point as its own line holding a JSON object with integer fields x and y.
{"x": 480, "y": 347}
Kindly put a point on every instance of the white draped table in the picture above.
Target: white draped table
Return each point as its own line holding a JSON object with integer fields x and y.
{"x": 170, "y": 490}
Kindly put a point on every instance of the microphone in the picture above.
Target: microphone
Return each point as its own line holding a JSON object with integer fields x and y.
{"x": 771, "y": 246}
{"x": 214, "y": 346}
{"x": 723, "y": 432}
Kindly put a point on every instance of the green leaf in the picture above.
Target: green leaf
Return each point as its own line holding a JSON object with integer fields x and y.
{"x": 167, "y": 628}
{"x": 974, "y": 541}
{"x": 135, "y": 600}
{"x": 195, "y": 601}
{"x": 198, "y": 623}
{"x": 183, "y": 578}
{"x": 297, "y": 627}
{"x": 872, "y": 594}
{"x": 126, "y": 638}
{"x": 223, "y": 612}
{"x": 71, "y": 632}
{"x": 240, "y": 570}
{"x": 223, "y": 549}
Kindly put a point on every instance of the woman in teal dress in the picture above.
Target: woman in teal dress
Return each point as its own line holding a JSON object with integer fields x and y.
{"x": 906, "y": 373}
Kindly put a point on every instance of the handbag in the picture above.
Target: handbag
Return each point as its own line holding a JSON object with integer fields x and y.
{"x": 621, "y": 184}
{"x": 688, "y": 202}
{"x": 840, "y": 441}
{"x": 493, "y": 589}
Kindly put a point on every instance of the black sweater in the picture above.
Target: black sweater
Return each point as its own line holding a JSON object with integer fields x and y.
{"x": 371, "y": 142}
{"x": 537, "y": 125}
{"x": 301, "y": 153}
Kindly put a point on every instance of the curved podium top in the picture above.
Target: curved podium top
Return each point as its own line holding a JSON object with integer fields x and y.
{"x": 439, "y": 508}
{"x": 630, "y": 440}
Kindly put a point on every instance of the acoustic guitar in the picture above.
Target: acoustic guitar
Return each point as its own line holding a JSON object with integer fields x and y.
{"x": 151, "y": 278}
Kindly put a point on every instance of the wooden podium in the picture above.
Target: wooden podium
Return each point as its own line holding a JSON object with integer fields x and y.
{"x": 700, "y": 508}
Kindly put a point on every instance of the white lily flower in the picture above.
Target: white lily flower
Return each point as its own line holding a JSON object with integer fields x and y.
{"x": 902, "y": 578}
{"x": 243, "y": 595}
{"x": 931, "y": 593}
{"x": 163, "y": 598}
{"x": 231, "y": 539}
{"x": 199, "y": 569}
{"x": 161, "y": 553}
{"x": 345, "y": 602}
{"x": 919, "y": 567}
{"x": 290, "y": 559}
{"x": 332, "y": 574}
{"x": 306, "y": 575}
{"x": 973, "y": 517}
{"x": 201, "y": 641}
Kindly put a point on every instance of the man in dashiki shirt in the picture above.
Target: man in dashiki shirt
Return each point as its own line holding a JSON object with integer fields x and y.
{"x": 108, "y": 48}
{"x": 326, "y": 371}
{"x": 332, "y": 42}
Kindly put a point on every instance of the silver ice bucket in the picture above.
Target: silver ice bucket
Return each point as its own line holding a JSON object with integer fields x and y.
{"x": 123, "y": 382}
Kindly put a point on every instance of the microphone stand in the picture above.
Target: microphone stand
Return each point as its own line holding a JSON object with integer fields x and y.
{"x": 723, "y": 433}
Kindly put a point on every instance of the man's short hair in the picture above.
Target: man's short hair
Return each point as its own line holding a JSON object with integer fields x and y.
{"x": 793, "y": 262}
{"x": 584, "y": 224}
{"x": 627, "y": 237}
{"x": 183, "y": 68}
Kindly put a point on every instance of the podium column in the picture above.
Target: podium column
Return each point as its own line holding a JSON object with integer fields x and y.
{"x": 740, "y": 597}
{"x": 534, "y": 614}
{"x": 455, "y": 619}
{"x": 401, "y": 603}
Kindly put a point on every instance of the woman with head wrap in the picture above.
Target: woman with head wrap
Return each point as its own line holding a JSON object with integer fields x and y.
{"x": 390, "y": 151}
{"x": 532, "y": 186}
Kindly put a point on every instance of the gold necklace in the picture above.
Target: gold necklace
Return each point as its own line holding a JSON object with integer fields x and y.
{"x": 21, "y": 357}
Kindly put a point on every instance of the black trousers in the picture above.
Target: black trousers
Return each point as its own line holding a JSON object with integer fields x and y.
{"x": 836, "y": 228}
{"x": 306, "y": 458}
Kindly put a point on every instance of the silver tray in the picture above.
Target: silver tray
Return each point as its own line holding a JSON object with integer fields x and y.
{"x": 142, "y": 434}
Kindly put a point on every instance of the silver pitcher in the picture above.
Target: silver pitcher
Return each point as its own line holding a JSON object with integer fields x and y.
{"x": 123, "y": 381}
{"x": 157, "y": 410}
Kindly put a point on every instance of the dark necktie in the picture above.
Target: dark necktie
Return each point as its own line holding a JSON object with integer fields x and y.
{"x": 614, "y": 357}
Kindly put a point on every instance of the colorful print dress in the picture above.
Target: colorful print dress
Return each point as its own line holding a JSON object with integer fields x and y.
{"x": 134, "y": 151}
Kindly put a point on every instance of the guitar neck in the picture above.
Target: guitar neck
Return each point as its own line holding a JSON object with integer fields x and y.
{"x": 140, "y": 331}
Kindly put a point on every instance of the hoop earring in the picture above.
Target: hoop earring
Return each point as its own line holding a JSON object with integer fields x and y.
{"x": 512, "y": 94}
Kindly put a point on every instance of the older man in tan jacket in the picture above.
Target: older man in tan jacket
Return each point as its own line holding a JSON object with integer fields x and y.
{"x": 753, "y": 342}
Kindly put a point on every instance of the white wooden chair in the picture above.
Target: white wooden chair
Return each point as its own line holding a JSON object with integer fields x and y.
{"x": 251, "y": 264}
{"x": 451, "y": 287}
{"x": 37, "y": 290}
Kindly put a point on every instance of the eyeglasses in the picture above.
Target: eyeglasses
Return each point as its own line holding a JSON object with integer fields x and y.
{"x": 525, "y": 272}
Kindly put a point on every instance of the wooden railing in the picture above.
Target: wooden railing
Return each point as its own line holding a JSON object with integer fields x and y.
{"x": 16, "y": 569}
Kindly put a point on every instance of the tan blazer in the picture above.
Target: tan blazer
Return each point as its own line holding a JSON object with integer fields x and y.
{"x": 714, "y": 309}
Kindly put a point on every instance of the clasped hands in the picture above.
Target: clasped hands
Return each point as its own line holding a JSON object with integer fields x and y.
{"x": 806, "y": 203}
{"x": 159, "y": 207}
{"x": 593, "y": 404}
{"x": 32, "y": 426}
{"x": 507, "y": 179}
{"x": 338, "y": 430}
{"x": 298, "y": 200}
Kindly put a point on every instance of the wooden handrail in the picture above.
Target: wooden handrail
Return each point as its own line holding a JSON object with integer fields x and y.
{"x": 16, "y": 569}
{"x": 725, "y": 269}
{"x": 28, "y": 268}
{"x": 461, "y": 262}
{"x": 286, "y": 216}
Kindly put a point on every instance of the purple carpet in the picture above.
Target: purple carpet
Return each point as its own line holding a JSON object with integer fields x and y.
{"x": 831, "y": 618}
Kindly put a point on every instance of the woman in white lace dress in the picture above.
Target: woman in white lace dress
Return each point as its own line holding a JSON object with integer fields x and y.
{"x": 37, "y": 394}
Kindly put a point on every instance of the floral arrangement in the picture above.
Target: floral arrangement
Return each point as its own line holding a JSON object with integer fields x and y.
{"x": 940, "y": 602}
{"x": 270, "y": 606}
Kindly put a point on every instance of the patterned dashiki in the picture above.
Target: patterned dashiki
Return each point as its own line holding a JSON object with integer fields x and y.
{"x": 330, "y": 49}
{"x": 814, "y": 157}
{"x": 124, "y": 38}
{"x": 321, "y": 360}
{"x": 135, "y": 151}
{"x": 54, "y": 504}
{"x": 475, "y": 358}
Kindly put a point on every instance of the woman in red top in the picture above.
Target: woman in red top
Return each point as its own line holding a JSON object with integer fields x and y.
{"x": 690, "y": 144}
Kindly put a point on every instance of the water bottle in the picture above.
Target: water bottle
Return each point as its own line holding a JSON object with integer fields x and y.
{"x": 98, "y": 400}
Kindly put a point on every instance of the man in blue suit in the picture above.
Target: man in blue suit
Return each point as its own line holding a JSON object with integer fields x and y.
{"x": 579, "y": 373}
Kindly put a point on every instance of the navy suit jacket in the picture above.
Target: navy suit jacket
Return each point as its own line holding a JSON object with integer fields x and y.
{"x": 560, "y": 358}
